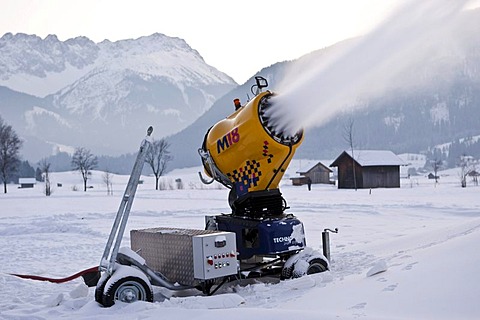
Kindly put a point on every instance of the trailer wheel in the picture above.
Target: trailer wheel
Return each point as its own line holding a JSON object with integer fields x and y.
{"x": 302, "y": 264}
{"x": 317, "y": 266}
{"x": 128, "y": 289}
{"x": 302, "y": 267}
{"x": 287, "y": 272}
{"x": 100, "y": 287}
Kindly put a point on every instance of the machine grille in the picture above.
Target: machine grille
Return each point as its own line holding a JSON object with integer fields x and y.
{"x": 260, "y": 204}
{"x": 277, "y": 134}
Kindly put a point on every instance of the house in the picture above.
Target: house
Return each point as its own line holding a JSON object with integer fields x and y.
{"x": 27, "y": 182}
{"x": 474, "y": 174}
{"x": 318, "y": 173}
{"x": 432, "y": 176}
{"x": 368, "y": 168}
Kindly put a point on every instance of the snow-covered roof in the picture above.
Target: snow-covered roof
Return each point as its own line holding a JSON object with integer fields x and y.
{"x": 26, "y": 180}
{"x": 369, "y": 158}
{"x": 312, "y": 165}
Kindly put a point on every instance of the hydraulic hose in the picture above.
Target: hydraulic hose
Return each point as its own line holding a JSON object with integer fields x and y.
{"x": 92, "y": 270}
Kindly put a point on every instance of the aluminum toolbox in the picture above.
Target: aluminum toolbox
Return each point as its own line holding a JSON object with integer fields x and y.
{"x": 186, "y": 255}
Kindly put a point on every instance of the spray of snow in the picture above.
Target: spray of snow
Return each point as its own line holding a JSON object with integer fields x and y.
{"x": 394, "y": 55}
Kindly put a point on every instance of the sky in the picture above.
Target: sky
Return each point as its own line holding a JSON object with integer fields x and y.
{"x": 238, "y": 38}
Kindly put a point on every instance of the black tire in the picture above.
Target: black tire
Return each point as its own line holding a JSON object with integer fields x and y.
{"x": 128, "y": 289}
{"x": 287, "y": 272}
{"x": 316, "y": 266}
{"x": 99, "y": 290}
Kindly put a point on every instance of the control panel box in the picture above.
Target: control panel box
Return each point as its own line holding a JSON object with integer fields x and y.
{"x": 186, "y": 256}
{"x": 214, "y": 255}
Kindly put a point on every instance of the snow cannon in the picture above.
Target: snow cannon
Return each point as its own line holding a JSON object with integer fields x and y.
{"x": 248, "y": 154}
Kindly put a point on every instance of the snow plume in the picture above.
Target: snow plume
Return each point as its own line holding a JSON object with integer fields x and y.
{"x": 405, "y": 50}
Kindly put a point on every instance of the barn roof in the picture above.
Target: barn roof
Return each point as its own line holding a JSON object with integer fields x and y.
{"x": 370, "y": 158}
{"x": 312, "y": 166}
{"x": 27, "y": 180}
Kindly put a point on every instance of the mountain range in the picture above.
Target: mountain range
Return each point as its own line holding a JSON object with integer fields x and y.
{"x": 64, "y": 94}
{"x": 60, "y": 95}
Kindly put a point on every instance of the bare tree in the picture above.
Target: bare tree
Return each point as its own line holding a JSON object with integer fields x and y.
{"x": 348, "y": 134}
{"x": 436, "y": 165}
{"x": 158, "y": 157}
{"x": 107, "y": 179}
{"x": 84, "y": 162}
{"x": 474, "y": 174}
{"x": 44, "y": 167}
{"x": 466, "y": 167}
{"x": 10, "y": 145}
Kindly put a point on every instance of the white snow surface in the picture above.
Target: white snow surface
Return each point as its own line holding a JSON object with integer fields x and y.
{"x": 401, "y": 253}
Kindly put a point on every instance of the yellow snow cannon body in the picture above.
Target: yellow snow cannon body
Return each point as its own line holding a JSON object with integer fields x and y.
{"x": 246, "y": 153}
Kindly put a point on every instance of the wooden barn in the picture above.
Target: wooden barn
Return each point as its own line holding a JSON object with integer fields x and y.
{"x": 318, "y": 173}
{"x": 373, "y": 169}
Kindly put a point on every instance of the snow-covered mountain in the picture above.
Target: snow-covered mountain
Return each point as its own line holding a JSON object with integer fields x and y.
{"x": 39, "y": 67}
{"x": 103, "y": 95}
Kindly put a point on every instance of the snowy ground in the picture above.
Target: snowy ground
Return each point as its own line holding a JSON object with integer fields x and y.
{"x": 425, "y": 236}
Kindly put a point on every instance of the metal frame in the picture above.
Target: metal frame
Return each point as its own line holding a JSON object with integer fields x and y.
{"x": 118, "y": 229}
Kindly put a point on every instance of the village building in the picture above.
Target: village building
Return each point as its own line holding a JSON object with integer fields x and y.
{"x": 26, "y": 182}
{"x": 368, "y": 169}
{"x": 432, "y": 176}
{"x": 474, "y": 175}
{"x": 318, "y": 173}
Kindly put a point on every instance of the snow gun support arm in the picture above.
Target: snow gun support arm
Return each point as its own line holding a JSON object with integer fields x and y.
{"x": 110, "y": 254}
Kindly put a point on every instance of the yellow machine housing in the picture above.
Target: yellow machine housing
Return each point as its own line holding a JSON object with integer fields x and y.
{"x": 245, "y": 152}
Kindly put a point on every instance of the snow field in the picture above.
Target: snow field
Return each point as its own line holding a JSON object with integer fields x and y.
{"x": 407, "y": 253}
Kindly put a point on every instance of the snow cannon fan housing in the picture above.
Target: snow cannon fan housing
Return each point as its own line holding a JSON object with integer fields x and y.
{"x": 246, "y": 153}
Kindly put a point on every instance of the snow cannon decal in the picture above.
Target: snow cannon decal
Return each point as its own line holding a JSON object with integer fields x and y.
{"x": 228, "y": 140}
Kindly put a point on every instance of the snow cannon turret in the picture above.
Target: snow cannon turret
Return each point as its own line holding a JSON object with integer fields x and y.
{"x": 249, "y": 154}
